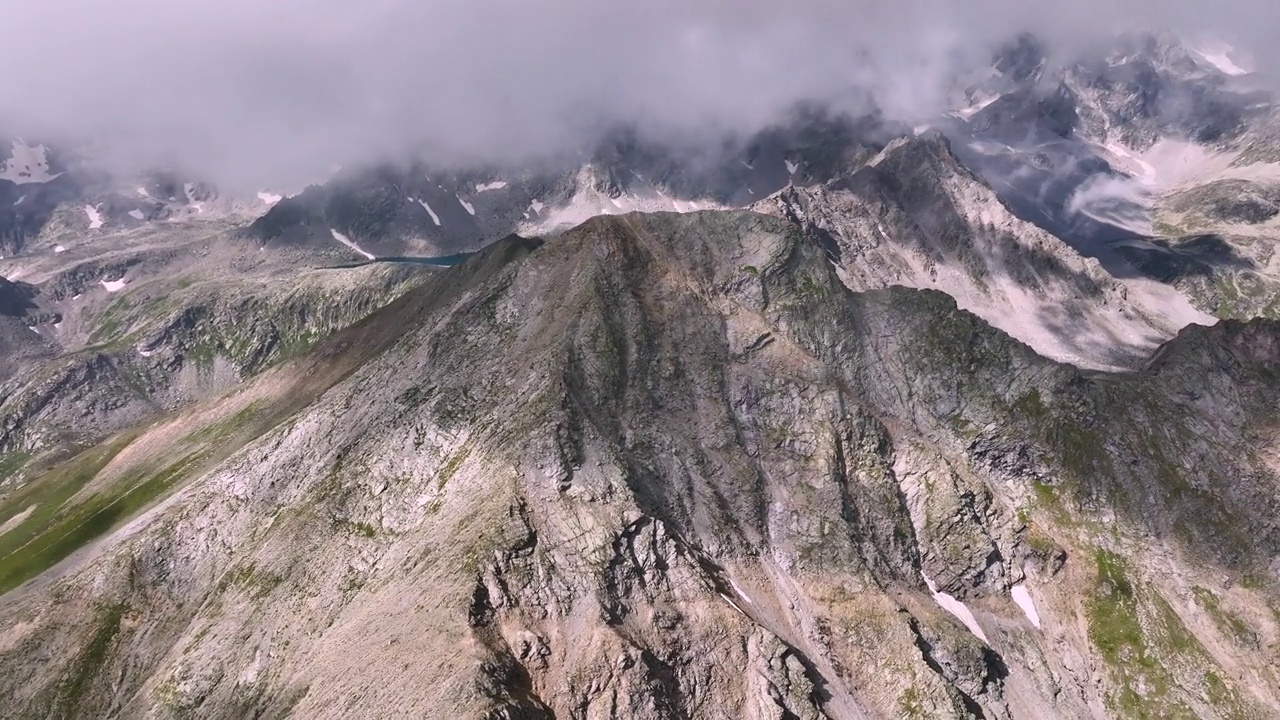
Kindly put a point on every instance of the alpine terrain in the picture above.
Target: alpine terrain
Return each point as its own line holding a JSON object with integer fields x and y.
{"x": 974, "y": 415}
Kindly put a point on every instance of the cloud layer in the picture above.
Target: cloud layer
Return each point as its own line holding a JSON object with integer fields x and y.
{"x": 278, "y": 92}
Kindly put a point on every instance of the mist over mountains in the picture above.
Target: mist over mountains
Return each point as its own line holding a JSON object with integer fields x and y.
{"x": 254, "y": 94}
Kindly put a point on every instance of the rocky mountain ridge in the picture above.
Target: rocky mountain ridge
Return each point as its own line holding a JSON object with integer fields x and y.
{"x": 616, "y": 468}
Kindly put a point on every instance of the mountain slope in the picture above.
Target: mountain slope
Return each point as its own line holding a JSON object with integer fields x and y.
{"x": 670, "y": 466}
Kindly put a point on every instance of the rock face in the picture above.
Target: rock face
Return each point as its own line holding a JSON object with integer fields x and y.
{"x": 18, "y": 312}
{"x": 672, "y": 466}
{"x": 916, "y": 216}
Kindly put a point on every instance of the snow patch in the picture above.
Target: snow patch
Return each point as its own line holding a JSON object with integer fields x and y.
{"x": 466, "y": 205}
{"x": 1024, "y": 601}
{"x": 112, "y": 285}
{"x": 137, "y": 215}
{"x": 16, "y": 520}
{"x": 738, "y": 590}
{"x": 19, "y": 200}
{"x": 735, "y": 606}
{"x": 269, "y": 198}
{"x": 95, "y": 217}
{"x": 142, "y": 192}
{"x": 1145, "y": 169}
{"x": 792, "y": 167}
{"x": 589, "y": 201}
{"x": 249, "y": 675}
{"x": 1222, "y": 61}
{"x": 496, "y": 185}
{"x": 27, "y": 165}
{"x": 434, "y": 218}
{"x": 347, "y": 241}
{"x": 978, "y": 104}
{"x": 59, "y": 249}
{"x": 957, "y": 608}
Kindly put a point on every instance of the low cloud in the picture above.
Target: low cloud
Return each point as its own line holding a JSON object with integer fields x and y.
{"x": 273, "y": 93}
{"x": 1118, "y": 202}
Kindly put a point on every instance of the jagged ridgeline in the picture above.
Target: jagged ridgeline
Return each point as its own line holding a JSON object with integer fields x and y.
{"x": 665, "y": 466}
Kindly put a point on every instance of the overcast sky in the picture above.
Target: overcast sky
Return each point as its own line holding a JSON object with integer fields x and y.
{"x": 274, "y": 91}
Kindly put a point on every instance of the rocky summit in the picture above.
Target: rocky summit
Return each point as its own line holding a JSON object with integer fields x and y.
{"x": 856, "y": 421}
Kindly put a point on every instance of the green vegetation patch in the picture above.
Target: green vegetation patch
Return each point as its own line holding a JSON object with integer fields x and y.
{"x": 51, "y": 491}
{"x": 1229, "y": 623}
{"x": 57, "y": 528}
{"x": 451, "y": 466}
{"x": 258, "y": 583}
{"x": 11, "y": 465}
{"x": 1115, "y": 629}
{"x": 72, "y": 691}
{"x": 1154, "y": 659}
{"x": 113, "y": 317}
{"x": 228, "y": 427}
{"x": 1031, "y": 406}
{"x": 911, "y": 704}
{"x": 1113, "y": 611}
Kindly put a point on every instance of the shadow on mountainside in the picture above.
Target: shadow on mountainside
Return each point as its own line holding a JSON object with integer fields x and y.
{"x": 1171, "y": 259}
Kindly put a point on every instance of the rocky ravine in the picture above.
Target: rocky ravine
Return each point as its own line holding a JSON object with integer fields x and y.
{"x": 670, "y": 466}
